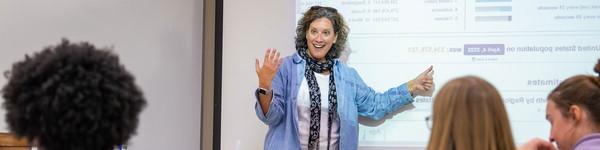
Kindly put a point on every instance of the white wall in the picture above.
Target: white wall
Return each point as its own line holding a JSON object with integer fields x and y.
{"x": 249, "y": 28}
{"x": 159, "y": 41}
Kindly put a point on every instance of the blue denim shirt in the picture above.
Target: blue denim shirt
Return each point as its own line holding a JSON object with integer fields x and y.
{"x": 354, "y": 98}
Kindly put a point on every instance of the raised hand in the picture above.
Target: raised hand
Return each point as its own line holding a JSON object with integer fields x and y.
{"x": 267, "y": 71}
{"x": 423, "y": 84}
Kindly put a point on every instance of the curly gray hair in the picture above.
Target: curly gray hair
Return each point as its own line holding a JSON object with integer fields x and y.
{"x": 339, "y": 27}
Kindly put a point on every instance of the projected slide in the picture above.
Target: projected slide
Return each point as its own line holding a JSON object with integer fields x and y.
{"x": 524, "y": 48}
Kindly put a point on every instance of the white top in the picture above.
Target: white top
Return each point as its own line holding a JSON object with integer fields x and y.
{"x": 304, "y": 115}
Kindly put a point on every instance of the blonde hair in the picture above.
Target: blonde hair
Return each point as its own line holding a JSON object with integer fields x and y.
{"x": 469, "y": 114}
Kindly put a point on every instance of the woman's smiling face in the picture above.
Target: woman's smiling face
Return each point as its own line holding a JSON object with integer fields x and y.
{"x": 320, "y": 37}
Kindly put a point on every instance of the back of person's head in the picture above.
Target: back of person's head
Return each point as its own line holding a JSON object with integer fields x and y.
{"x": 72, "y": 96}
{"x": 581, "y": 90}
{"x": 573, "y": 109}
{"x": 469, "y": 114}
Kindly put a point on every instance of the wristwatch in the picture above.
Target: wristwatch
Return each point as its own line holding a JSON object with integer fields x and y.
{"x": 262, "y": 91}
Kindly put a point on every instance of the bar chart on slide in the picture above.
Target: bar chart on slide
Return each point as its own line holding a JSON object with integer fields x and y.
{"x": 451, "y": 16}
{"x": 524, "y": 48}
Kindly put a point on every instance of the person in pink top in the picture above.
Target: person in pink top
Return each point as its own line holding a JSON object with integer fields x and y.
{"x": 573, "y": 111}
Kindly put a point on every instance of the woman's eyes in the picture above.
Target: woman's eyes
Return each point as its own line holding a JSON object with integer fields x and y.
{"x": 324, "y": 33}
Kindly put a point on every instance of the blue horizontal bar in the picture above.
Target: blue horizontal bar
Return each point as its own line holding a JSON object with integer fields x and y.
{"x": 494, "y": 9}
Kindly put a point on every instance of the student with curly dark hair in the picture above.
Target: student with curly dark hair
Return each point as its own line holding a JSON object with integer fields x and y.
{"x": 72, "y": 97}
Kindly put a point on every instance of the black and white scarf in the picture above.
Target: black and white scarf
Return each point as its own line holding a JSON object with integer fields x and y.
{"x": 315, "y": 97}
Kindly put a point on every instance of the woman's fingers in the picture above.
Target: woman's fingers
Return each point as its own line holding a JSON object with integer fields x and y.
{"x": 267, "y": 55}
{"x": 271, "y": 61}
{"x": 272, "y": 54}
{"x": 271, "y": 57}
{"x": 428, "y": 71}
{"x": 426, "y": 75}
{"x": 427, "y": 80}
{"x": 257, "y": 66}
{"x": 428, "y": 83}
{"x": 275, "y": 56}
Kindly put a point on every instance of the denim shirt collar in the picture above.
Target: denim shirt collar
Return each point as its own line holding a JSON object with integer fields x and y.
{"x": 298, "y": 59}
